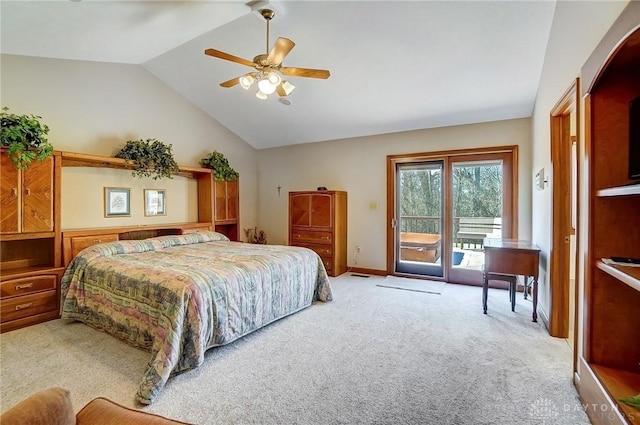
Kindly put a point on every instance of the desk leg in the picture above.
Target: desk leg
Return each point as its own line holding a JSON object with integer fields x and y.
{"x": 485, "y": 292}
{"x": 526, "y": 286}
{"x": 535, "y": 299}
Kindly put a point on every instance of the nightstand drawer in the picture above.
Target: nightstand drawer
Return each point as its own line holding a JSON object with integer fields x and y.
{"x": 28, "y": 305}
{"x": 81, "y": 242}
{"x": 302, "y": 236}
{"x": 27, "y": 285}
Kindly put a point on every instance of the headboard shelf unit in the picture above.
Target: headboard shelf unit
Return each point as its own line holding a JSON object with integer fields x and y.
{"x": 203, "y": 176}
{"x": 73, "y": 159}
{"x": 75, "y": 240}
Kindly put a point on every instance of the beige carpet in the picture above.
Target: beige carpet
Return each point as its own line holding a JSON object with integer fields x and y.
{"x": 416, "y": 285}
{"x": 372, "y": 356}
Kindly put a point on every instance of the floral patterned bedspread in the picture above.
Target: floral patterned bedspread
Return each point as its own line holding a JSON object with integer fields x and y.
{"x": 177, "y": 296}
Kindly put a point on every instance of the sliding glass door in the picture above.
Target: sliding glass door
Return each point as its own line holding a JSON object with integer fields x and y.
{"x": 419, "y": 220}
{"x": 478, "y": 212}
{"x": 443, "y": 205}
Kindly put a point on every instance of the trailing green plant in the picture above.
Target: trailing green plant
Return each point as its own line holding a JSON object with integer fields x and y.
{"x": 220, "y": 165}
{"x": 151, "y": 157}
{"x": 25, "y": 136}
{"x": 632, "y": 401}
{"x": 256, "y": 235}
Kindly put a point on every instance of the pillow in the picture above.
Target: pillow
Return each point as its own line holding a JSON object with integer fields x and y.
{"x": 49, "y": 407}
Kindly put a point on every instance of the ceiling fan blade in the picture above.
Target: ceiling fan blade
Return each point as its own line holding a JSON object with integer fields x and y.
{"x": 280, "y": 49}
{"x": 232, "y": 82}
{"x": 222, "y": 55}
{"x": 306, "y": 72}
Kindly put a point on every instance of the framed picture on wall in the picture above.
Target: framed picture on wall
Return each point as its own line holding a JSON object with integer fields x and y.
{"x": 117, "y": 202}
{"x": 155, "y": 202}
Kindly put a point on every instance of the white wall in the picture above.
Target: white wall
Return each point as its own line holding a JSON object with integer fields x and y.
{"x": 94, "y": 108}
{"x": 576, "y": 30}
{"x": 358, "y": 166}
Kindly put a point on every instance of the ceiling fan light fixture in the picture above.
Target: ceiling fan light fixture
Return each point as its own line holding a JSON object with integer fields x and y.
{"x": 266, "y": 86}
{"x": 269, "y": 71}
{"x": 274, "y": 78}
{"x": 246, "y": 81}
{"x": 287, "y": 87}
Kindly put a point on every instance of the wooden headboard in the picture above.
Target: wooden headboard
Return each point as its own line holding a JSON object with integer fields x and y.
{"x": 74, "y": 241}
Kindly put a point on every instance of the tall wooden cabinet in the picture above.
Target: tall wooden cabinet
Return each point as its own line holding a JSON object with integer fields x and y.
{"x": 226, "y": 202}
{"x": 318, "y": 220}
{"x": 30, "y": 251}
{"x": 609, "y": 363}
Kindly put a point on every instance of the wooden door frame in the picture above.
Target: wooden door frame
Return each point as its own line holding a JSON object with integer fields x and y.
{"x": 561, "y": 229}
{"x": 446, "y": 156}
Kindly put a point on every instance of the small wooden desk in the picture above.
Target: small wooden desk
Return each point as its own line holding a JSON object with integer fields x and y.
{"x": 511, "y": 256}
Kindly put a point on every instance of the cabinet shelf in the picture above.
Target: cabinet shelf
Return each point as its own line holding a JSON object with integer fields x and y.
{"x": 626, "y": 274}
{"x": 620, "y": 191}
{"x": 620, "y": 384}
{"x": 16, "y": 273}
{"x": 610, "y": 320}
{"x": 22, "y": 236}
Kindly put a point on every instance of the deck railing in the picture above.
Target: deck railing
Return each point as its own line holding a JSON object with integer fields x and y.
{"x": 431, "y": 224}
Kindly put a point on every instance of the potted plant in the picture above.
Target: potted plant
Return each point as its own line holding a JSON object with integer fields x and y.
{"x": 25, "y": 136}
{"x": 256, "y": 235}
{"x": 151, "y": 157}
{"x": 220, "y": 165}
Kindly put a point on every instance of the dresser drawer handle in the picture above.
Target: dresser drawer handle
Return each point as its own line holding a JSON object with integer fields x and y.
{"x": 97, "y": 240}
{"x": 14, "y": 191}
{"x": 23, "y": 306}
{"x": 325, "y": 237}
{"x": 24, "y": 286}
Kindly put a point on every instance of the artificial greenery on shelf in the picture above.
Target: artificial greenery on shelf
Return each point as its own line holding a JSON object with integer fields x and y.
{"x": 151, "y": 157}
{"x": 25, "y": 136}
{"x": 220, "y": 166}
{"x": 256, "y": 235}
{"x": 632, "y": 401}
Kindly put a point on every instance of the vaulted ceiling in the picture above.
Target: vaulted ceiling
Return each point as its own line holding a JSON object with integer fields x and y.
{"x": 395, "y": 65}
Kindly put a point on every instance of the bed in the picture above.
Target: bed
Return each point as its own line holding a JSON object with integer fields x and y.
{"x": 177, "y": 296}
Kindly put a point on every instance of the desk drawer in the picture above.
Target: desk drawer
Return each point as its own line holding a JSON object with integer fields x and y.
{"x": 81, "y": 242}
{"x": 28, "y": 305}
{"x": 299, "y": 237}
{"x": 27, "y": 285}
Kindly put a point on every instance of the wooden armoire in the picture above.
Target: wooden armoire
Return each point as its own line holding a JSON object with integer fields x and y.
{"x": 318, "y": 220}
{"x": 30, "y": 253}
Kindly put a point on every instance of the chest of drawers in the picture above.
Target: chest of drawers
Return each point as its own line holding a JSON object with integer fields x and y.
{"x": 318, "y": 221}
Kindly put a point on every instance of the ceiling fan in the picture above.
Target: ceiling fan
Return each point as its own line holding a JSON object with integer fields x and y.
{"x": 269, "y": 71}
